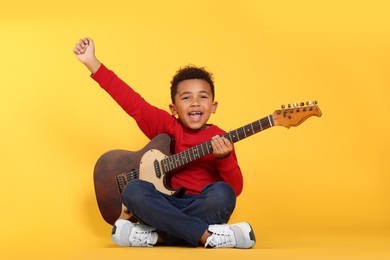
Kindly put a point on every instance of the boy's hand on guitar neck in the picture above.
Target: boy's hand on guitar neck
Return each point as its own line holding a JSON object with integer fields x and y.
{"x": 85, "y": 53}
{"x": 221, "y": 147}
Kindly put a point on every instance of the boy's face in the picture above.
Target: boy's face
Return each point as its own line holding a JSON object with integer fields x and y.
{"x": 193, "y": 103}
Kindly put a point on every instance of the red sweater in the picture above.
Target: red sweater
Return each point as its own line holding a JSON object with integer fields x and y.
{"x": 153, "y": 121}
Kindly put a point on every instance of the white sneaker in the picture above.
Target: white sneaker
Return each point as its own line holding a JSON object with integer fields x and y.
{"x": 126, "y": 233}
{"x": 238, "y": 235}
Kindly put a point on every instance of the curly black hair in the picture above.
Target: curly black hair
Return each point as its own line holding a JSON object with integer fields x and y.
{"x": 191, "y": 72}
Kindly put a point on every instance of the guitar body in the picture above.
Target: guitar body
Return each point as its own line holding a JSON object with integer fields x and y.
{"x": 116, "y": 162}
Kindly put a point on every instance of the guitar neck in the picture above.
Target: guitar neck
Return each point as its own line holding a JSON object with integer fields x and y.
{"x": 249, "y": 129}
{"x": 178, "y": 160}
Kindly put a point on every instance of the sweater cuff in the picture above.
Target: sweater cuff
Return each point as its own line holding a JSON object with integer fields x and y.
{"x": 99, "y": 75}
{"x": 227, "y": 164}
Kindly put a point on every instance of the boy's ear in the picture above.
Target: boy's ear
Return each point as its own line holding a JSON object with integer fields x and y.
{"x": 214, "y": 107}
{"x": 173, "y": 109}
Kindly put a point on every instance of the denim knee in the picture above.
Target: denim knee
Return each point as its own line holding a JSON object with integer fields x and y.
{"x": 135, "y": 192}
{"x": 221, "y": 190}
{"x": 220, "y": 197}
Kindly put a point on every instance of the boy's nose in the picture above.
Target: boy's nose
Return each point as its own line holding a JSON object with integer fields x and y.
{"x": 195, "y": 103}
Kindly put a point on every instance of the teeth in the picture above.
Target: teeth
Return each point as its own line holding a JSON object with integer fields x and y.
{"x": 195, "y": 113}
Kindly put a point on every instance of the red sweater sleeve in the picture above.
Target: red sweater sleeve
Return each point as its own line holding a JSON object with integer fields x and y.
{"x": 230, "y": 171}
{"x": 150, "y": 119}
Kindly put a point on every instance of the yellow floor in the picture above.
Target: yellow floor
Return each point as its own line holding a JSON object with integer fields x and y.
{"x": 300, "y": 248}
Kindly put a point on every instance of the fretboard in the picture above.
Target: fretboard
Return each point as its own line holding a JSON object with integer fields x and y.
{"x": 178, "y": 160}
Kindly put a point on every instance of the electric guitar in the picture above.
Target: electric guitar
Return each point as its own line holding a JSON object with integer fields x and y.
{"x": 156, "y": 163}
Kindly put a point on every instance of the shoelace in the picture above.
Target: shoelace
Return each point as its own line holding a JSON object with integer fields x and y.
{"x": 219, "y": 240}
{"x": 142, "y": 237}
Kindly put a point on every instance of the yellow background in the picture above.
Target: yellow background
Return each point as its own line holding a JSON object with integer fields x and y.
{"x": 313, "y": 190}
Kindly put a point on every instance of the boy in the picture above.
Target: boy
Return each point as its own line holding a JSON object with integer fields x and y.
{"x": 211, "y": 183}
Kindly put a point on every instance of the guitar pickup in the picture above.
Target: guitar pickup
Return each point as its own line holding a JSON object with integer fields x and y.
{"x": 157, "y": 169}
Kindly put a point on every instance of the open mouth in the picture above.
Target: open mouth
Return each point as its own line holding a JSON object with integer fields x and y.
{"x": 195, "y": 115}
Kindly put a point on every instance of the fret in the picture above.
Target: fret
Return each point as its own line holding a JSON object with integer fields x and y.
{"x": 177, "y": 161}
{"x": 233, "y": 138}
{"x": 204, "y": 149}
{"x": 238, "y": 136}
{"x": 229, "y": 136}
{"x": 196, "y": 149}
{"x": 209, "y": 147}
{"x": 187, "y": 156}
{"x": 164, "y": 163}
{"x": 174, "y": 162}
{"x": 244, "y": 132}
{"x": 266, "y": 123}
{"x": 202, "y": 146}
{"x": 180, "y": 160}
{"x": 248, "y": 129}
{"x": 184, "y": 158}
{"x": 194, "y": 153}
{"x": 238, "y": 133}
{"x": 199, "y": 150}
{"x": 171, "y": 164}
{"x": 271, "y": 120}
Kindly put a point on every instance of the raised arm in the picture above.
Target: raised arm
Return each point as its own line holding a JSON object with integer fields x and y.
{"x": 85, "y": 53}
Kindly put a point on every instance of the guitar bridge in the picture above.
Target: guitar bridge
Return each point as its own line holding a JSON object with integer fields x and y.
{"x": 121, "y": 182}
{"x": 124, "y": 178}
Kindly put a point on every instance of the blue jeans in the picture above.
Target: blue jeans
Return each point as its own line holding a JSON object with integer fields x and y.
{"x": 179, "y": 219}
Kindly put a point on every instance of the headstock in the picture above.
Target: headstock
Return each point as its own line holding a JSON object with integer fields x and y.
{"x": 296, "y": 114}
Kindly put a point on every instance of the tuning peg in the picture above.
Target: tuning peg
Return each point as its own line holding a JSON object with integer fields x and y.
{"x": 308, "y": 103}
{"x": 283, "y": 106}
{"x": 302, "y": 104}
{"x": 289, "y": 105}
{"x": 315, "y": 102}
{"x": 295, "y": 104}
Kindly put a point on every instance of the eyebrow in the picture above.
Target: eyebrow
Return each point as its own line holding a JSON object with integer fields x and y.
{"x": 200, "y": 92}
